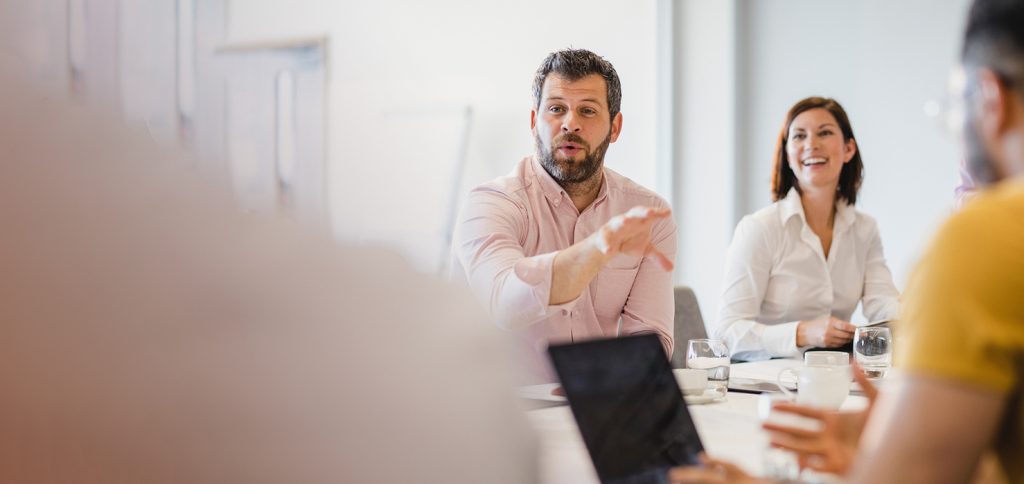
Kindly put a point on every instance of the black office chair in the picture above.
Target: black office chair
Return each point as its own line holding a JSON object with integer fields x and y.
{"x": 688, "y": 324}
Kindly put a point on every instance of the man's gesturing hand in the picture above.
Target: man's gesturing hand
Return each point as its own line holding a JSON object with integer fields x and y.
{"x": 630, "y": 233}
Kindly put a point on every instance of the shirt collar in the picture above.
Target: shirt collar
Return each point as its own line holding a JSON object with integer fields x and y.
{"x": 790, "y": 207}
{"x": 845, "y": 214}
{"x": 555, "y": 193}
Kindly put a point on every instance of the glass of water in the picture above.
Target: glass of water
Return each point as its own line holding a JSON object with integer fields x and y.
{"x": 778, "y": 464}
{"x": 872, "y": 347}
{"x": 711, "y": 355}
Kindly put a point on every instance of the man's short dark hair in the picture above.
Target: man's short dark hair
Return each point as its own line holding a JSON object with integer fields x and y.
{"x": 573, "y": 65}
{"x": 995, "y": 39}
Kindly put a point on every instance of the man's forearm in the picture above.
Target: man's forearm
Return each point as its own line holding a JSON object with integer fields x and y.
{"x": 573, "y": 269}
{"x": 630, "y": 233}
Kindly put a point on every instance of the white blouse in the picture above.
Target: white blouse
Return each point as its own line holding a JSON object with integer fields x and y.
{"x": 777, "y": 275}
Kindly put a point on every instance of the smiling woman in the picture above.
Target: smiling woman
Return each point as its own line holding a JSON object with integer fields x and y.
{"x": 797, "y": 270}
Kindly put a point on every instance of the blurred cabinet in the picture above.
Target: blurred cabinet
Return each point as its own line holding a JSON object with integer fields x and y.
{"x": 39, "y": 38}
{"x": 254, "y": 114}
{"x": 274, "y": 121}
{"x": 148, "y": 57}
{"x": 93, "y": 51}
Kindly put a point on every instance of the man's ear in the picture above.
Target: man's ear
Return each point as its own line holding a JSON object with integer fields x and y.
{"x": 616, "y": 127}
{"x": 993, "y": 104}
{"x": 533, "y": 120}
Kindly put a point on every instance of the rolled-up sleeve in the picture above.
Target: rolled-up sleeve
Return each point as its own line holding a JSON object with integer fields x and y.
{"x": 488, "y": 244}
{"x": 650, "y": 306}
{"x": 881, "y": 299}
{"x": 747, "y": 272}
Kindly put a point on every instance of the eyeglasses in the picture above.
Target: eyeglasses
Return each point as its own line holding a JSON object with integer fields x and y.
{"x": 950, "y": 113}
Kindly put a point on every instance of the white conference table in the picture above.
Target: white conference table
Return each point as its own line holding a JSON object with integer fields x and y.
{"x": 729, "y": 429}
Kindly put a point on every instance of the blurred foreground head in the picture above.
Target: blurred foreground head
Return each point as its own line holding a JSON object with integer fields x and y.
{"x": 993, "y": 59}
{"x": 152, "y": 332}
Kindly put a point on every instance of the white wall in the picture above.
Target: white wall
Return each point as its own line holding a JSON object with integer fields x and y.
{"x": 400, "y": 73}
{"x": 706, "y": 144}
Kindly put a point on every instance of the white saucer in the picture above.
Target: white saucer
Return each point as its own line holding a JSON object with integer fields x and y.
{"x": 709, "y": 396}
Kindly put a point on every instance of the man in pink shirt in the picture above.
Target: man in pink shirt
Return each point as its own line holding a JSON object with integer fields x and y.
{"x": 563, "y": 249}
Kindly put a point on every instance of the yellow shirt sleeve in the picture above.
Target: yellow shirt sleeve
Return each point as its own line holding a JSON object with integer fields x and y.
{"x": 964, "y": 312}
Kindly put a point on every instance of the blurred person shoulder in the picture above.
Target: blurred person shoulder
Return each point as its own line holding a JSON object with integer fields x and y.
{"x": 977, "y": 255}
{"x": 155, "y": 332}
{"x": 994, "y": 219}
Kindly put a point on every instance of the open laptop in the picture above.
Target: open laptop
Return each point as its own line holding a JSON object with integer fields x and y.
{"x": 628, "y": 407}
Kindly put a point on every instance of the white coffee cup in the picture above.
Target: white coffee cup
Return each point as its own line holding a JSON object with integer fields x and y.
{"x": 821, "y": 386}
{"x": 826, "y": 358}
{"x": 691, "y": 381}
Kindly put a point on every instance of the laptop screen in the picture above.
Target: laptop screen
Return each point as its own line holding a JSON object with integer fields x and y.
{"x": 628, "y": 407}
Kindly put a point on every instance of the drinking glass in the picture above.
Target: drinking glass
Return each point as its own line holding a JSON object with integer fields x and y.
{"x": 711, "y": 355}
{"x": 872, "y": 347}
{"x": 778, "y": 464}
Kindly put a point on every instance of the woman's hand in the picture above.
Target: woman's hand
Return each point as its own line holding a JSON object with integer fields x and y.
{"x": 827, "y": 332}
{"x": 833, "y": 445}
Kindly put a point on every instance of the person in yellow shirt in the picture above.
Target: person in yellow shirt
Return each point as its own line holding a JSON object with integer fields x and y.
{"x": 963, "y": 351}
{"x": 961, "y": 393}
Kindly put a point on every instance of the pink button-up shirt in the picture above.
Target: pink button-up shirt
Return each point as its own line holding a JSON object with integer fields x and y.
{"x": 505, "y": 242}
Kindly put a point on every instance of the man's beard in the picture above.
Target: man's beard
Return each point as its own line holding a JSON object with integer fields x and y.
{"x": 978, "y": 162}
{"x": 568, "y": 171}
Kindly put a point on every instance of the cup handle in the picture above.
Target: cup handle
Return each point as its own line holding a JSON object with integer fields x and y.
{"x": 778, "y": 381}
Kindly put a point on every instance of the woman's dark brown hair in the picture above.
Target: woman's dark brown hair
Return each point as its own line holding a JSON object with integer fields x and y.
{"x": 783, "y": 177}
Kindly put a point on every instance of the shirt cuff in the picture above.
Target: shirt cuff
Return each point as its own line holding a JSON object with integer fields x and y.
{"x": 780, "y": 339}
{"x": 536, "y": 273}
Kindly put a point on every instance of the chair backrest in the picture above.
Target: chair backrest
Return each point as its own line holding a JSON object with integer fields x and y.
{"x": 688, "y": 324}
